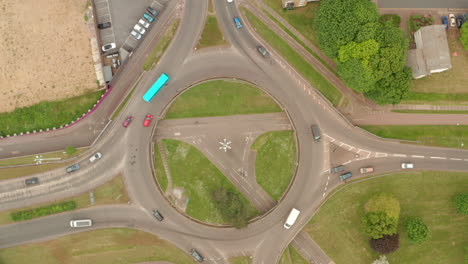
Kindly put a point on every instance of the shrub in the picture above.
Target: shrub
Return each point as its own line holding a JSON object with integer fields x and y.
{"x": 461, "y": 203}
{"x": 393, "y": 18}
{"x": 379, "y": 224}
{"x": 417, "y": 230}
{"x": 386, "y": 244}
{"x": 43, "y": 211}
{"x": 231, "y": 207}
{"x": 70, "y": 150}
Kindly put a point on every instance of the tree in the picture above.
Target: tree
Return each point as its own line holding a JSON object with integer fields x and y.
{"x": 464, "y": 35}
{"x": 461, "y": 202}
{"x": 417, "y": 230}
{"x": 384, "y": 202}
{"x": 381, "y": 260}
{"x": 386, "y": 244}
{"x": 357, "y": 75}
{"x": 70, "y": 150}
{"x": 392, "y": 89}
{"x": 231, "y": 207}
{"x": 379, "y": 224}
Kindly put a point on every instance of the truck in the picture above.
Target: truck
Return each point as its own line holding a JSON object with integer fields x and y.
{"x": 292, "y": 217}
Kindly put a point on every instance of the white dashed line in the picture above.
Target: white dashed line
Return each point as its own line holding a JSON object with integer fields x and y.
{"x": 442, "y": 158}
{"x": 399, "y": 155}
{"x": 378, "y": 154}
{"x": 416, "y": 156}
{"x": 455, "y": 159}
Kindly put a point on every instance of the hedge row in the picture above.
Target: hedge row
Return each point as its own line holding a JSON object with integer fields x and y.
{"x": 43, "y": 211}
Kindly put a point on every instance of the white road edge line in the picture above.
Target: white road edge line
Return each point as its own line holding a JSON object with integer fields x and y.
{"x": 438, "y": 158}
{"x": 416, "y": 156}
{"x": 399, "y": 155}
{"x": 455, "y": 159}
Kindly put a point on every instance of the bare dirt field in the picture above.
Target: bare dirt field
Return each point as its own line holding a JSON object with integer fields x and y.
{"x": 45, "y": 52}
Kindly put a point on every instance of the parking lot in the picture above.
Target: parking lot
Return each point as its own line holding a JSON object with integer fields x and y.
{"x": 123, "y": 15}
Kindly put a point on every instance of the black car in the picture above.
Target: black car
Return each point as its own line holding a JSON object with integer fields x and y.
{"x": 104, "y": 25}
{"x": 73, "y": 168}
{"x": 196, "y": 255}
{"x": 262, "y": 51}
{"x": 152, "y": 11}
{"x": 32, "y": 181}
{"x": 460, "y": 20}
{"x": 157, "y": 215}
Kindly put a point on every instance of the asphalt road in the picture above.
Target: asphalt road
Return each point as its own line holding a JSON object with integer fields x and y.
{"x": 128, "y": 151}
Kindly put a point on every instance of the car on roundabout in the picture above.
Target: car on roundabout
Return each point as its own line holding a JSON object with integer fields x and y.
{"x": 95, "y": 157}
{"x": 147, "y": 121}
{"x": 158, "y": 215}
{"x": 407, "y": 165}
{"x": 196, "y": 255}
{"x": 127, "y": 121}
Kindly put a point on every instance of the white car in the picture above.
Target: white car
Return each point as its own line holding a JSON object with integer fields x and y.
{"x": 135, "y": 35}
{"x": 95, "y": 157}
{"x": 453, "y": 21}
{"x": 144, "y": 23}
{"x": 139, "y": 29}
{"x": 405, "y": 165}
{"x": 108, "y": 47}
{"x": 229, "y": 1}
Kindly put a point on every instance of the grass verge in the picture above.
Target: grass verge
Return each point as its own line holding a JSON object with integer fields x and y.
{"x": 439, "y": 135}
{"x": 296, "y": 60}
{"x": 31, "y": 159}
{"x": 104, "y": 246}
{"x": 291, "y": 256}
{"x": 431, "y": 111}
{"x": 46, "y": 114}
{"x": 240, "y": 260}
{"x": 211, "y": 35}
{"x": 337, "y": 229}
{"x": 161, "y": 46}
{"x": 43, "y": 211}
{"x": 434, "y": 98}
{"x": 221, "y": 98}
{"x": 109, "y": 193}
{"x": 124, "y": 102}
{"x": 199, "y": 179}
{"x": 161, "y": 177}
{"x": 274, "y": 164}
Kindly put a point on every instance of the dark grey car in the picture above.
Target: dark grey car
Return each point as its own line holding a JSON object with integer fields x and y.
{"x": 152, "y": 11}
{"x": 196, "y": 255}
{"x": 32, "y": 181}
{"x": 73, "y": 168}
{"x": 158, "y": 215}
{"x": 104, "y": 25}
{"x": 262, "y": 51}
{"x": 337, "y": 169}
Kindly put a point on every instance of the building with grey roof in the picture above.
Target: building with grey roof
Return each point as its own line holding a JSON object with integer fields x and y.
{"x": 432, "y": 53}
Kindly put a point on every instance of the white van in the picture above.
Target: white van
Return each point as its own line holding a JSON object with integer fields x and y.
{"x": 81, "y": 223}
{"x": 291, "y": 218}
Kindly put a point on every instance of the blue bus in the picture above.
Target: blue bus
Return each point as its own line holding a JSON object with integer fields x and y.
{"x": 153, "y": 90}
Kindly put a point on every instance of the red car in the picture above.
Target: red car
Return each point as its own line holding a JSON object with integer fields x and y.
{"x": 148, "y": 120}
{"x": 127, "y": 121}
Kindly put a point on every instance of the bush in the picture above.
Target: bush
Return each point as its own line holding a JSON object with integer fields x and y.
{"x": 379, "y": 224}
{"x": 231, "y": 207}
{"x": 70, "y": 150}
{"x": 417, "y": 230}
{"x": 393, "y": 18}
{"x": 461, "y": 203}
{"x": 386, "y": 244}
{"x": 43, "y": 211}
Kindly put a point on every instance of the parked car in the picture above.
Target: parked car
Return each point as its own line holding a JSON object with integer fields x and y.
{"x": 262, "y": 51}
{"x": 345, "y": 176}
{"x": 81, "y": 223}
{"x": 406, "y": 165}
{"x": 135, "y": 35}
{"x": 32, "y": 181}
{"x": 148, "y": 119}
{"x": 139, "y": 29}
{"x": 465, "y": 16}
{"x": 337, "y": 169}
{"x": 148, "y": 17}
{"x": 104, "y": 25}
{"x": 452, "y": 20}
{"x": 229, "y": 1}
{"x": 152, "y": 11}
{"x": 366, "y": 170}
{"x": 144, "y": 23}
{"x": 237, "y": 22}
{"x": 108, "y": 47}
{"x": 460, "y": 21}
{"x": 445, "y": 21}
{"x": 95, "y": 157}
{"x": 196, "y": 255}
{"x": 127, "y": 121}
{"x": 158, "y": 215}
{"x": 73, "y": 168}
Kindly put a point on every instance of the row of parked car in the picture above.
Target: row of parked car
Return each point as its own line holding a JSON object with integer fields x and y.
{"x": 457, "y": 21}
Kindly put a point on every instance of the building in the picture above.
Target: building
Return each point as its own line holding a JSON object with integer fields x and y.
{"x": 290, "y": 4}
{"x": 432, "y": 53}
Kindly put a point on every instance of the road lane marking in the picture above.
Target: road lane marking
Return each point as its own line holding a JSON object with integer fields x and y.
{"x": 455, "y": 159}
{"x": 417, "y": 156}
{"x": 442, "y": 158}
{"x": 348, "y": 162}
{"x": 177, "y": 134}
{"x": 379, "y": 154}
{"x": 399, "y": 155}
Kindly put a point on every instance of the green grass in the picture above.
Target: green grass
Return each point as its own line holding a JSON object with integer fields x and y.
{"x": 431, "y": 111}
{"x": 434, "y": 98}
{"x": 291, "y": 256}
{"x": 302, "y": 19}
{"x": 161, "y": 46}
{"x": 221, "y": 98}
{"x": 104, "y": 246}
{"x": 336, "y": 227}
{"x": 274, "y": 164}
{"x": 301, "y": 65}
{"x": 10, "y": 173}
{"x": 240, "y": 260}
{"x": 46, "y": 210}
{"x": 124, "y": 102}
{"x": 441, "y": 135}
{"x": 193, "y": 172}
{"x": 32, "y": 158}
{"x": 111, "y": 192}
{"x": 46, "y": 114}
{"x": 161, "y": 177}
{"x": 211, "y": 35}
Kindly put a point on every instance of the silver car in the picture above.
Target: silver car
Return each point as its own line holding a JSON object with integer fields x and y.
{"x": 135, "y": 35}
{"x": 139, "y": 29}
{"x": 144, "y": 23}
